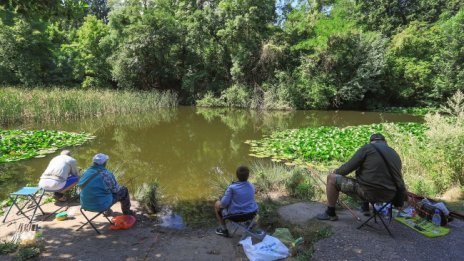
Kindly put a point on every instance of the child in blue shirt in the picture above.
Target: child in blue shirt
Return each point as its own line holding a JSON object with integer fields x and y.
{"x": 239, "y": 198}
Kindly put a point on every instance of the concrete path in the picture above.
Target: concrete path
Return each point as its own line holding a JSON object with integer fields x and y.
{"x": 349, "y": 243}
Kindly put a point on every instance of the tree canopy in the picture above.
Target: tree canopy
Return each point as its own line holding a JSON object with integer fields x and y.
{"x": 307, "y": 54}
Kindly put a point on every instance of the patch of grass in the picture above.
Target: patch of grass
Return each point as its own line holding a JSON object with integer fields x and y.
{"x": 21, "y": 253}
{"x": 277, "y": 177}
{"x": 148, "y": 196}
{"x": 28, "y": 252}
{"x": 19, "y": 105}
{"x": 4, "y": 204}
{"x": 7, "y": 247}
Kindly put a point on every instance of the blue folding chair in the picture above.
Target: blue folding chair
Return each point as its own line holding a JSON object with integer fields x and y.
{"x": 29, "y": 193}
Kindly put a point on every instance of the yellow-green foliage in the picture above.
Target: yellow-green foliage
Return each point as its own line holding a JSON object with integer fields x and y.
{"x": 433, "y": 167}
{"x": 276, "y": 177}
{"x": 52, "y": 104}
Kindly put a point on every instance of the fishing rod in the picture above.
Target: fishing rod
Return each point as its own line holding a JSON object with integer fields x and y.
{"x": 341, "y": 203}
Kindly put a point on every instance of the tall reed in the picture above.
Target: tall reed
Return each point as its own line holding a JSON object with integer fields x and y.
{"x": 53, "y": 104}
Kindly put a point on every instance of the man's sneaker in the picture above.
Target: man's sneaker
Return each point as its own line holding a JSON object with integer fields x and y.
{"x": 108, "y": 212}
{"x": 325, "y": 216}
{"x": 129, "y": 212}
{"x": 222, "y": 232}
{"x": 365, "y": 209}
{"x": 59, "y": 197}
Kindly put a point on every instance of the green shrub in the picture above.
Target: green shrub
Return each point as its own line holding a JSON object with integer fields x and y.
{"x": 210, "y": 101}
{"x": 299, "y": 185}
{"x": 27, "y": 252}
{"x": 432, "y": 167}
{"x": 269, "y": 177}
{"x": 236, "y": 96}
{"x": 7, "y": 247}
{"x": 148, "y": 196}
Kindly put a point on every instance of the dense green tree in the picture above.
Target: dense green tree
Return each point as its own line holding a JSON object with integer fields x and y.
{"x": 410, "y": 62}
{"x": 389, "y": 15}
{"x": 25, "y": 54}
{"x": 347, "y": 71}
{"x": 246, "y": 26}
{"x": 89, "y": 53}
{"x": 98, "y": 8}
{"x": 257, "y": 53}
{"x": 451, "y": 56}
{"x": 148, "y": 55}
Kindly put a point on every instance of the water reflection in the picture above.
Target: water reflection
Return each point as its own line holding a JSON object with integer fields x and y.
{"x": 182, "y": 148}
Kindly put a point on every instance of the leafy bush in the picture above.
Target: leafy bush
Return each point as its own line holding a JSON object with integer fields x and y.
{"x": 236, "y": 96}
{"x": 276, "y": 95}
{"x": 269, "y": 177}
{"x": 276, "y": 177}
{"x": 27, "y": 252}
{"x": 210, "y": 101}
{"x": 346, "y": 71}
{"x": 431, "y": 168}
{"x": 7, "y": 247}
{"x": 299, "y": 185}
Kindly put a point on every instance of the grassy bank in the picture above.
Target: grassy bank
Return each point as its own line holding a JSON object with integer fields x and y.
{"x": 276, "y": 185}
{"x": 53, "y": 104}
{"x": 431, "y": 152}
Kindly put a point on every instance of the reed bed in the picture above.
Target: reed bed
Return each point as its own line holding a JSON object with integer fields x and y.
{"x": 19, "y": 105}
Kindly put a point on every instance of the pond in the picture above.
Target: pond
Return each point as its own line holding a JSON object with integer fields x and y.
{"x": 183, "y": 148}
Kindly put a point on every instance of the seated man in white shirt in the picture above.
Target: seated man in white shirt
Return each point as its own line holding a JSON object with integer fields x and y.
{"x": 61, "y": 175}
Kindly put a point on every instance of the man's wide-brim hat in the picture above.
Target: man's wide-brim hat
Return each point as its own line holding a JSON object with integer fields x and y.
{"x": 100, "y": 158}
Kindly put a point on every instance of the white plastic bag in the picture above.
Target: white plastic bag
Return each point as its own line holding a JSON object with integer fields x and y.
{"x": 269, "y": 249}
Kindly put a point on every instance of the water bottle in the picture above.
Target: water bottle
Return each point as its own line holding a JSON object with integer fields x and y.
{"x": 436, "y": 220}
{"x": 386, "y": 211}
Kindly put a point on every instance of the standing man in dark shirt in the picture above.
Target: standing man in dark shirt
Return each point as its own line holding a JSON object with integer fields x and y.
{"x": 375, "y": 181}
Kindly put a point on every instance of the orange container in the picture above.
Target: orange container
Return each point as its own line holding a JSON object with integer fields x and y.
{"x": 123, "y": 222}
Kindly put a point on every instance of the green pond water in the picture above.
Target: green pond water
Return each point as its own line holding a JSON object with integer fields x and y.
{"x": 184, "y": 148}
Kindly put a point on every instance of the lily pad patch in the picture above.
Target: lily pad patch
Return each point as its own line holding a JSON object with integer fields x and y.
{"x": 324, "y": 144}
{"x": 24, "y": 144}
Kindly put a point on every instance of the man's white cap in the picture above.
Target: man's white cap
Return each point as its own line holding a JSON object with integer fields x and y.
{"x": 100, "y": 158}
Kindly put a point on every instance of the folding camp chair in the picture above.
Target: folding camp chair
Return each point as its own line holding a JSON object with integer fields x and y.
{"x": 29, "y": 193}
{"x": 246, "y": 222}
{"x": 89, "y": 221}
{"x": 377, "y": 213}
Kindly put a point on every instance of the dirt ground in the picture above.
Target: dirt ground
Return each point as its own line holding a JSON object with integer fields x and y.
{"x": 145, "y": 241}
{"x": 148, "y": 241}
